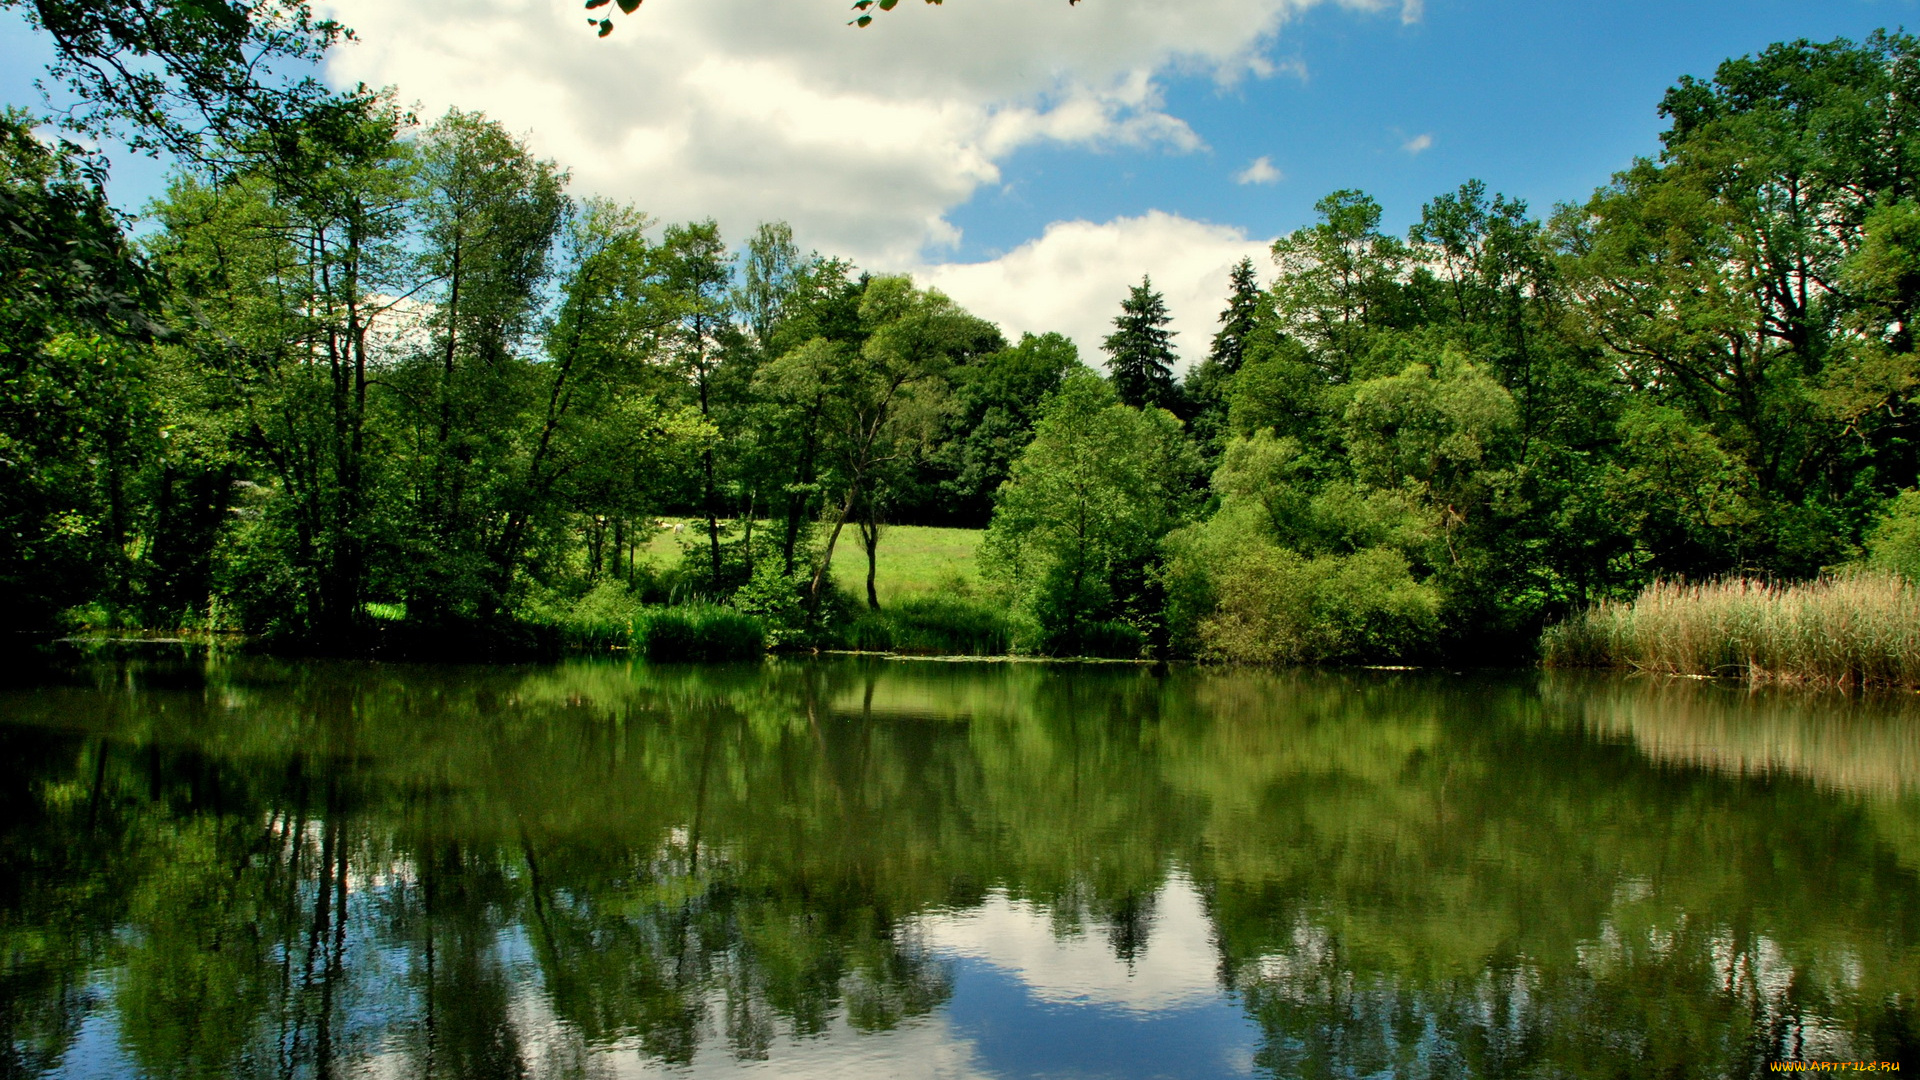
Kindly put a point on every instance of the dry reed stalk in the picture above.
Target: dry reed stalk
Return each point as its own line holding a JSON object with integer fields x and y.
{"x": 1860, "y": 628}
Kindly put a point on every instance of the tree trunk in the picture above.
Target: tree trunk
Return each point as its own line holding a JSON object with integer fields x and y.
{"x": 826, "y": 560}
{"x": 870, "y": 539}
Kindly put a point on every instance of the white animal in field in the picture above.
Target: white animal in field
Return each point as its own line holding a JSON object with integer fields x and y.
{"x": 679, "y": 527}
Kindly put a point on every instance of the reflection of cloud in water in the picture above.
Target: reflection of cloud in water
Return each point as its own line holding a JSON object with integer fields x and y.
{"x": 922, "y": 1049}
{"x": 1178, "y": 965}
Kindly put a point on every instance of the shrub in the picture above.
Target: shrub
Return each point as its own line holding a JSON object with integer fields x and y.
{"x": 603, "y": 618}
{"x": 1856, "y": 628}
{"x": 698, "y": 632}
{"x": 778, "y": 601}
{"x": 938, "y": 625}
{"x": 1894, "y": 541}
{"x": 1276, "y": 606}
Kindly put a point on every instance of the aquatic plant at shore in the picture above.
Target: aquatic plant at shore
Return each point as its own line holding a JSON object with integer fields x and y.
{"x": 703, "y": 632}
{"x": 1859, "y": 628}
{"x": 935, "y": 625}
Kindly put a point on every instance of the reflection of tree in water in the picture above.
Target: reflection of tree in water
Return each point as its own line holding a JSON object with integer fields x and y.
{"x": 489, "y": 873}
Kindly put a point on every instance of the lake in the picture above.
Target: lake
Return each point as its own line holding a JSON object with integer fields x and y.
{"x": 870, "y": 868}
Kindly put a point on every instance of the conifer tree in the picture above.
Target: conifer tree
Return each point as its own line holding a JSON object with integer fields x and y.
{"x": 1141, "y": 348}
{"x": 1237, "y": 321}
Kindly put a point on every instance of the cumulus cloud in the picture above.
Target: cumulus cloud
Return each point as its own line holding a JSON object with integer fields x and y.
{"x": 751, "y": 110}
{"x": 1073, "y": 277}
{"x": 1260, "y": 171}
{"x": 1418, "y": 144}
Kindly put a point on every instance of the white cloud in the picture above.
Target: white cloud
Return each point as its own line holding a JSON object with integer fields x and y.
{"x": 1417, "y": 144}
{"x": 750, "y": 110}
{"x": 1073, "y": 278}
{"x": 1261, "y": 171}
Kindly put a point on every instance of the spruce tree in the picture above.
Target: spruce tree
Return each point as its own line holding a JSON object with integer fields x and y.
{"x": 1141, "y": 348}
{"x": 1207, "y": 387}
{"x": 1236, "y": 322}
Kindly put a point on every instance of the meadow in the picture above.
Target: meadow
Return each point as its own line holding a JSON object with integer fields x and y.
{"x": 913, "y": 560}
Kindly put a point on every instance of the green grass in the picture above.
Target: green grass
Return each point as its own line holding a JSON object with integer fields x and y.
{"x": 914, "y": 559}
{"x": 1860, "y": 628}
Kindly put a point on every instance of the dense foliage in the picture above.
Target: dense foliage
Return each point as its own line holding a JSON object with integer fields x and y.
{"x": 366, "y": 381}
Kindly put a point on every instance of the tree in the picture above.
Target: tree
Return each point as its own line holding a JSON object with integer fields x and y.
{"x": 75, "y": 302}
{"x": 283, "y": 283}
{"x": 200, "y": 80}
{"x": 488, "y": 214}
{"x": 1741, "y": 279}
{"x": 696, "y": 279}
{"x": 769, "y": 275}
{"x": 880, "y": 403}
{"x": 996, "y": 399}
{"x": 1207, "y": 388}
{"x": 1238, "y": 319}
{"x": 1140, "y": 349}
{"x": 1076, "y": 526}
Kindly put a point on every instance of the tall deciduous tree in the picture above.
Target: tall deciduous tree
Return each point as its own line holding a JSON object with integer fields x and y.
{"x": 696, "y": 275}
{"x": 880, "y": 403}
{"x": 489, "y": 212}
{"x": 284, "y": 282}
{"x": 1076, "y": 525}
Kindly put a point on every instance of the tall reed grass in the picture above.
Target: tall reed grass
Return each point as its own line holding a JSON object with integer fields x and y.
{"x": 1860, "y": 628}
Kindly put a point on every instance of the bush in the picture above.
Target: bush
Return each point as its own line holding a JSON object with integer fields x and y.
{"x": 601, "y": 619}
{"x": 1276, "y": 606}
{"x": 1854, "y": 629}
{"x": 1894, "y": 541}
{"x": 933, "y": 626}
{"x": 778, "y": 601}
{"x": 698, "y": 632}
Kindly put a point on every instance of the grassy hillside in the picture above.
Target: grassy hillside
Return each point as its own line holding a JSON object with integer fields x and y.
{"x": 913, "y": 558}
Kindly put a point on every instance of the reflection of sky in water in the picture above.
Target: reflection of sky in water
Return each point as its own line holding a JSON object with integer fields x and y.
{"x": 1028, "y": 1002}
{"x": 1034, "y": 1003}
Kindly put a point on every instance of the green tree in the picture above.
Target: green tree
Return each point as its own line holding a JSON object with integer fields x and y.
{"x": 75, "y": 303}
{"x": 283, "y": 282}
{"x": 1139, "y": 352}
{"x": 488, "y": 214}
{"x": 1076, "y": 526}
{"x": 200, "y": 80}
{"x": 880, "y": 404}
{"x": 996, "y": 400}
{"x": 1207, "y": 389}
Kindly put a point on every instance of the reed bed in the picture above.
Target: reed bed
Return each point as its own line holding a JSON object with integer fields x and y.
{"x": 1860, "y": 628}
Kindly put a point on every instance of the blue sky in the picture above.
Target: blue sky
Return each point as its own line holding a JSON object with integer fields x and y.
{"x": 1543, "y": 101}
{"x": 1033, "y": 159}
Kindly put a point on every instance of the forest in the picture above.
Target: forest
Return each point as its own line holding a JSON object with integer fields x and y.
{"x": 365, "y": 381}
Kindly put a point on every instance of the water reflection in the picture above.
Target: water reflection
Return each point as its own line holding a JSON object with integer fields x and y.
{"x": 250, "y": 868}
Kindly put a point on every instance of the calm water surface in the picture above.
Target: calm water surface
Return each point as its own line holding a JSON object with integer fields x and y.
{"x": 878, "y": 869}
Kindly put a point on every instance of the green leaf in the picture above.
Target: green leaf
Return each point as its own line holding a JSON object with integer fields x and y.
{"x": 863, "y": 20}
{"x": 591, "y": 4}
{"x": 887, "y": 5}
{"x": 606, "y": 27}
{"x": 629, "y": 6}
